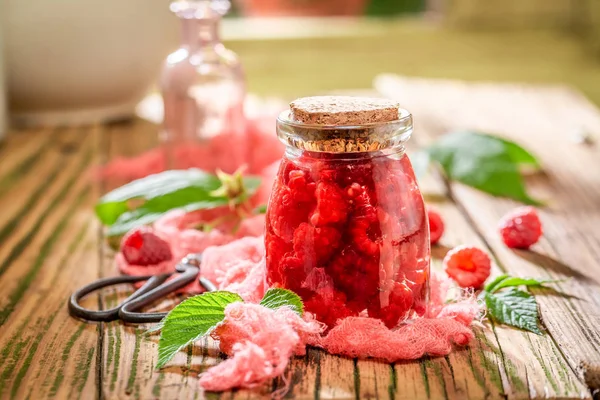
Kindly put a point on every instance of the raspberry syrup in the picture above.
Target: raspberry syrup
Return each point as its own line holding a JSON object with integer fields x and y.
{"x": 348, "y": 232}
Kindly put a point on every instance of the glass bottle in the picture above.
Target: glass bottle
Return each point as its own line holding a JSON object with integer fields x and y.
{"x": 346, "y": 223}
{"x": 202, "y": 83}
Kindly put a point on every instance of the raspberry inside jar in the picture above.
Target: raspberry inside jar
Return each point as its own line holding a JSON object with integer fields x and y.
{"x": 347, "y": 230}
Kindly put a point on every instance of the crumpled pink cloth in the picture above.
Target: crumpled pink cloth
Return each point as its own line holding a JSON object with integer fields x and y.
{"x": 175, "y": 228}
{"x": 260, "y": 342}
{"x": 262, "y": 148}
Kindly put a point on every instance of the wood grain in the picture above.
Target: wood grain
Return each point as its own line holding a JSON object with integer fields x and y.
{"x": 52, "y": 244}
{"x": 48, "y": 250}
{"x": 540, "y": 120}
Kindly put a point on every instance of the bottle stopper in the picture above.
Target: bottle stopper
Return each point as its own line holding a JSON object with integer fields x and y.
{"x": 343, "y": 110}
{"x": 344, "y": 124}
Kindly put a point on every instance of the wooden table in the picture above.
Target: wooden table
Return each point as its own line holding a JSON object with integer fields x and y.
{"x": 52, "y": 244}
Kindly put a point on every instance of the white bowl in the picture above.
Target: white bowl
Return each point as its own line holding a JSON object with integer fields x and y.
{"x": 81, "y": 61}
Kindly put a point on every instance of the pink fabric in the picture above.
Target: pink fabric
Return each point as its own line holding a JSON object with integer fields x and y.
{"x": 262, "y": 144}
{"x": 260, "y": 342}
{"x": 183, "y": 241}
{"x": 361, "y": 336}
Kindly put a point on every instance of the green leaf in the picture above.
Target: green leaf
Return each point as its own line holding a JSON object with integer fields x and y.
{"x": 518, "y": 154}
{"x": 190, "y": 320}
{"x": 145, "y": 200}
{"x": 492, "y": 285}
{"x": 512, "y": 281}
{"x": 513, "y": 307}
{"x": 485, "y": 162}
{"x": 275, "y": 298}
{"x": 261, "y": 209}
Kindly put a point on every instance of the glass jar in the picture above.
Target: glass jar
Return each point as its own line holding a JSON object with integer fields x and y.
{"x": 346, "y": 226}
{"x": 202, "y": 82}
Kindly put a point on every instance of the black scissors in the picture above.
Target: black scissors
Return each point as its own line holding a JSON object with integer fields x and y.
{"x": 156, "y": 287}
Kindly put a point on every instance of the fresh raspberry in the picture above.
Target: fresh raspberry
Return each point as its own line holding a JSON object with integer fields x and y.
{"x": 293, "y": 272}
{"x": 276, "y": 249}
{"x": 142, "y": 246}
{"x": 329, "y": 309}
{"x": 436, "y": 225}
{"x": 521, "y": 228}
{"x": 285, "y": 213}
{"x": 302, "y": 188}
{"x": 285, "y": 168}
{"x": 414, "y": 269}
{"x": 396, "y": 309}
{"x": 468, "y": 266}
{"x": 361, "y": 202}
{"x": 331, "y": 205}
{"x": 366, "y": 235}
{"x": 356, "y": 172}
{"x": 355, "y": 274}
{"x": 399, "y": 197}
{"x": 316, "y": 244}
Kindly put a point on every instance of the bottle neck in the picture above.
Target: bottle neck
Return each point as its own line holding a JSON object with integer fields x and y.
{"x": 199, "y": 33}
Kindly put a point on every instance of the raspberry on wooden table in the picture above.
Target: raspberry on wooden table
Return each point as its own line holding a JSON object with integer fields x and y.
{"x": 141, "y": 246}
{"x": 521, "y": 228}
{"x": 467, "y": 266}
{"x": 436, "y": 225}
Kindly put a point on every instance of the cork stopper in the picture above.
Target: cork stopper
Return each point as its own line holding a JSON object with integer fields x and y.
{"x": 343, "y": 124}
{"x": 343, "y": 110}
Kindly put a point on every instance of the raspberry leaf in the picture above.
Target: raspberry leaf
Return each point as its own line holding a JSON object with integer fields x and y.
{"x": 192, "y": 319}
{"x": 145, "y": 200}
{"x": 513, "y": 307}
{"x": 485, "y": 162}
{"x": 275, "y": 298}
{"x": 512, "y": 281}
{"x": 492, "y": 285}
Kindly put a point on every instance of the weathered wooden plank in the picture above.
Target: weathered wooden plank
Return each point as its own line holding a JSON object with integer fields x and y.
{"x": 129, "y": 355}
{"x": 503, "y": 360}
{"x": 34, "y": 193}
{"x": 473, "y": 373}
{"x": 20, "y": 152}
{"x": 305, "y": 376}
{"x": 545, "y": 121}
{"x": 375, "y": 379}
{"x": 35, "y": 230}
{"x": 483, "y": 370}
{"x": 45, "y": 352}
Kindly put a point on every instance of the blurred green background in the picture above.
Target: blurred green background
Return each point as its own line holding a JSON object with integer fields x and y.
{"x": 531, "y": 41}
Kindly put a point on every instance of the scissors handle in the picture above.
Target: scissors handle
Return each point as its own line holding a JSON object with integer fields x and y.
{"x": 156, "y": 287}
{"x": 127, "y": 311}
{"x": 76, "y": 310}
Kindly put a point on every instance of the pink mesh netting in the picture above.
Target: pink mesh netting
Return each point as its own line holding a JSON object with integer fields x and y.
{"x": 258, "y": 340}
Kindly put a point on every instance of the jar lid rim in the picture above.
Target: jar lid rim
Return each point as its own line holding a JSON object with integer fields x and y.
{"x": 284, "y": 118}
